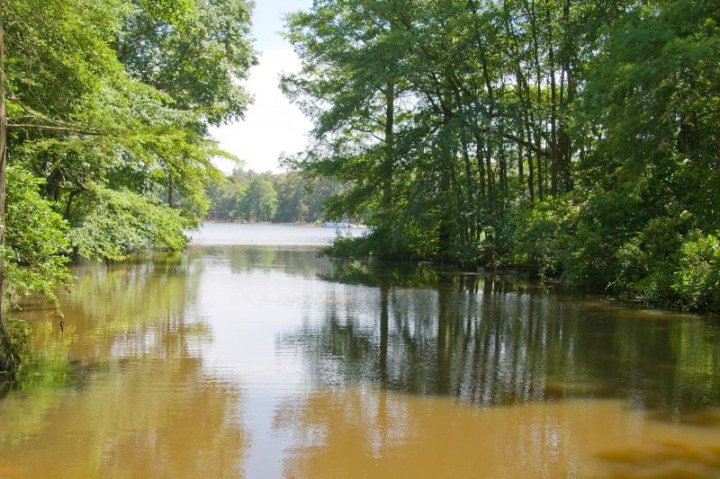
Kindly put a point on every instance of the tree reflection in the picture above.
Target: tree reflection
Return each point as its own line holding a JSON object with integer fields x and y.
{"x": 148, "y": 407}
{"x": 119, "y": 312}
{"x": 154, "y": 419}
{"x": 493, "y": 341}
{"x": 296, "y": 261}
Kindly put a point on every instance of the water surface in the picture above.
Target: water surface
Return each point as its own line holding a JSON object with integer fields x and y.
{"x": 241, "y": 360}
{"x": 235, "y": 234}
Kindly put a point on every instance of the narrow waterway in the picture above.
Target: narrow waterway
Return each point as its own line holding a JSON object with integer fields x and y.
{"x": 251, "y": 356}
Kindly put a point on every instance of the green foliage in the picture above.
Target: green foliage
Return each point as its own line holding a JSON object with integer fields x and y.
{"x": 291, "y": 191}
{"x": 36, "y": 244}
{"x": 302, "y": 198}
{"x": 121, "y": 222}
{"x": 244, "y": 196}
{"x": 111, "y": 100}
{"x": 646, "y": 262}
{"x": 650, "y": 99}
{"x": 108, "y": 103}
{"x": 542, "y": 235}
{"x": 260, "y": 200}
{"x": 567, "y": 138}
{"x": 281, "y": 198}
{"x": 225, "y": 196}
{"x": 195, "y": 50}
{"x": 349, "y": 247}
{"x": 697, "y": 280}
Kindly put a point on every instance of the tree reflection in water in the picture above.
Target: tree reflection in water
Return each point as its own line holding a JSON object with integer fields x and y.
{"x": 454, "y": 375}
{"x": 495, "y": 341}
{"x": 400, "y": 371}
{"x": 135, "y": 401}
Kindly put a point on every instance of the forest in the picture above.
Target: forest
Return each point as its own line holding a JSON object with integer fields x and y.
{"x": 536, "y": 294}
{"x": 578, "y": 141}
{"x": 292, "y": 197}
{"x": 575, "y": 140}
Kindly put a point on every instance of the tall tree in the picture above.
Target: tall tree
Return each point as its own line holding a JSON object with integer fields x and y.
{"x": 563, "y": 136}
{"x": 353, "y": 53}
{"x": 193, "y": 50}
{"x": 94, "y": 133}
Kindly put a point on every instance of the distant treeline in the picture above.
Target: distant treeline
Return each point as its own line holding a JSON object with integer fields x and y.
{"x": 280, "y": 198}
{"x": 575, "y": 139}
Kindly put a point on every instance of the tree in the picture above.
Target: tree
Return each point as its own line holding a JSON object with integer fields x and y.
{"x": 353, "y": 66}
{"x": 260, "y": 201}
{"x": 493, "y": 133}
{"x": 87, "y": 122}
{"x": 100, "y": 136}
{"x": 652, "y": 168}
{"x": 193, "y": 50}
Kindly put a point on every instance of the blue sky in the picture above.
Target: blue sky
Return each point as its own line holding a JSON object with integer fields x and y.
{"x": 272, "y": 126}
{"x": 267, "y": 20}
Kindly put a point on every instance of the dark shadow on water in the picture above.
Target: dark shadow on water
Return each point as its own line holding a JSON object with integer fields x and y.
{"x": 4, "y": 388}
{"x": 493, "y": 341}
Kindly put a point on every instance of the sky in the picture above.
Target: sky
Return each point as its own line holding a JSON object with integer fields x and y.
{"x": 272, "y": 125}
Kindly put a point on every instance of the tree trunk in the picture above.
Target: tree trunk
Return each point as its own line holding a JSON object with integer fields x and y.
{"x": 480, "y": 165}
{"x": 170, "y": 189}
{"x": 471, "y": 203}
{"x": 554, "y": 152}
{"x": 388, "y": 166}
{"x": 569, "y": 95}
{"x": 538, "y": 83}
{"x": 3, "y": 163}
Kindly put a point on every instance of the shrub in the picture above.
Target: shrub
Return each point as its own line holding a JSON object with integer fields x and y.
{"x": 542, "y": 234}
{"x": 697, "y": 279}
{"x": 644, "y": 264}
{"x": 36, "y": 246}
{"x": 120, "y": 222}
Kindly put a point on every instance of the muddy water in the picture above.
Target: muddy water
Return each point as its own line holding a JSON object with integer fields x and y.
{"x": 241, "y": 360}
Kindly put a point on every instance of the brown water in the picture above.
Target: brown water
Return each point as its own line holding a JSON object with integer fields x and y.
{"x": 264, "y": 362}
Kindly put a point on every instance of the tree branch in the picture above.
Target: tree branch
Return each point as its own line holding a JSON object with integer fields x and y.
{"x": 69, "y": 129}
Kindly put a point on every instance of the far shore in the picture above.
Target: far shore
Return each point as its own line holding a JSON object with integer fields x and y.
{"x": 316, "y": 223}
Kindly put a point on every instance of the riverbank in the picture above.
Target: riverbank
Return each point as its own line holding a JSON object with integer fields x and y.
{"x": 681, "y": 276}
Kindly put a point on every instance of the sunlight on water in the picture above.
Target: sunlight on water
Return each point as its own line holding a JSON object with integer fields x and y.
{"x": 263, "y": 362}
{"x": 215, "y": 234}
{"x": 369, "y": 433}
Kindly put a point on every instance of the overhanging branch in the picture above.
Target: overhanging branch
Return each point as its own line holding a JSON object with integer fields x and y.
{"x": 67, "y": 129}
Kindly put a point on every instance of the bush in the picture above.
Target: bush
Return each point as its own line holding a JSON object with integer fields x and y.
{"x": 118, "y": 223}
{"x": 349, "y": 247}
{"x": 697, "y": 280}
{"x": 606, "y": 220}
{"x": 542, "y": 234}
{"x": 644, "y": 265}
{"x": 36, "y": 246}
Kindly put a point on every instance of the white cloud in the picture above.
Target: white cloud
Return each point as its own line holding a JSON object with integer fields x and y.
{"x": 272, "y": 125}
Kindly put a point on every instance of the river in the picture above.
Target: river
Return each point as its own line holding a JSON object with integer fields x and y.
{"x": 251, "y": 356}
